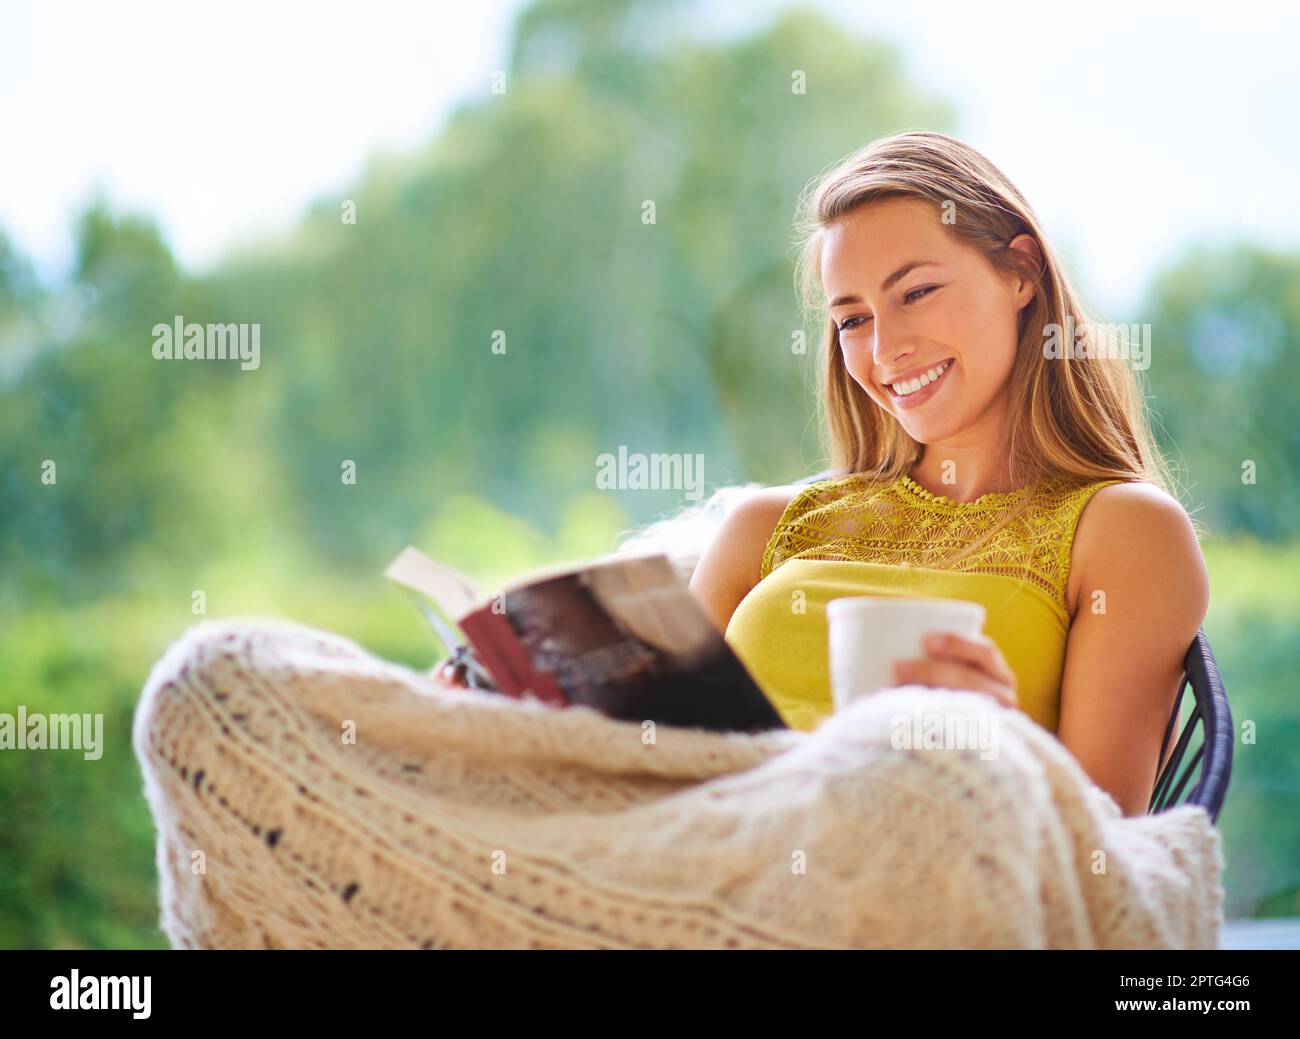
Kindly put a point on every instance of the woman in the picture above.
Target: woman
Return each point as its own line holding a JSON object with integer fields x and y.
{"x": 981, "y": 461}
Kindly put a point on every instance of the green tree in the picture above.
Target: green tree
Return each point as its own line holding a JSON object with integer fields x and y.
{"x": 1225, "y": 374}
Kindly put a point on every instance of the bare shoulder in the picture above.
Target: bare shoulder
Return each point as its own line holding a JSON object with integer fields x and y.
{"x": 748, "y": 527}
{"x": 764, "y": 505}
{"x": 729, "y": 567}
{"x": 1138, "y": 508}
{"x": 1135, "y": 534}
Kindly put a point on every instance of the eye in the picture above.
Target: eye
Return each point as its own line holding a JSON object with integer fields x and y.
{"x": 910, "y": 297}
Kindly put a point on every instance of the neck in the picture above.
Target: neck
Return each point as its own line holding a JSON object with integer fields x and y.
{"x": 965, "y": 466}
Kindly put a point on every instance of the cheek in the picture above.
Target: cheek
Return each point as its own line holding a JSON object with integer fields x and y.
{"x": 987, "y": 345}
{"x": 858, "y": 361}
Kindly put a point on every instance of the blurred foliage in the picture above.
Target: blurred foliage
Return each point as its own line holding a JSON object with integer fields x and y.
{"x": 524, "y": 215}
{"x": 1252, "y": 624}
{"x": 1225, "y": 345}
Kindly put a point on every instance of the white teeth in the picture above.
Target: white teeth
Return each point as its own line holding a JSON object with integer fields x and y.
{"x": 904, "y": 389}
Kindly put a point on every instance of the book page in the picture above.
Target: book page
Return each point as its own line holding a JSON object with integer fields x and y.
{"x": 455, "y": 594}
{"x": 647, "y": 595}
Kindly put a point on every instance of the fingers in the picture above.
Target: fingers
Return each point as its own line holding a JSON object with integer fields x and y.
{"x": 446, "y": 674}
{"x": 981, "y": 652}
{"x": 947, "y": 674}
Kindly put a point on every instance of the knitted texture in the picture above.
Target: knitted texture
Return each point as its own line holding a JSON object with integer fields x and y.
{"x": 464, "y": 819}
{"x": 1024, "y": 534}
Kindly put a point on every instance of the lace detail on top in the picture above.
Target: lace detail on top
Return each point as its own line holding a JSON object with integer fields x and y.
{"x": 856, "y": 519}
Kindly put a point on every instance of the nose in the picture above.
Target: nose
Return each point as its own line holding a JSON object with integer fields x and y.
{"x": 891, "y": 347}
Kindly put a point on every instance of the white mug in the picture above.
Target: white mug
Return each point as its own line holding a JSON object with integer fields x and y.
{"x": 869, "y": 633}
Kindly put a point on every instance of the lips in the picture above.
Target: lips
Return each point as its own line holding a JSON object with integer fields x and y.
{"x": 933, "y": 379}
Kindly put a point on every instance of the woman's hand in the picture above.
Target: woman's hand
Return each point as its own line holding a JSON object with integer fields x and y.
{"x": 446, "y": 674}
{"x": 960, "y": 663}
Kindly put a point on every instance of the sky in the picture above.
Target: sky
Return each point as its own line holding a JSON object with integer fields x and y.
{"x": 1134, "y": 129}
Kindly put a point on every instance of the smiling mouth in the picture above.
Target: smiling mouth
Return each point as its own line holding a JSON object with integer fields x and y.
{"x": 913, "y": 391}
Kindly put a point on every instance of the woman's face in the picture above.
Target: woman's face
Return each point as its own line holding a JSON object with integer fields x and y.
{"x": 912, "y": 303}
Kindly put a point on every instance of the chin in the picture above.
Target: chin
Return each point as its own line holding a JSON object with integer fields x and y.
{"x": 921, "y": 436}
{"x": 928, "y": 434}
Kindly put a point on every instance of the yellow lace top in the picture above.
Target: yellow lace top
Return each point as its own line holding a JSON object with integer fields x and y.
{"x": 852, "y": 536}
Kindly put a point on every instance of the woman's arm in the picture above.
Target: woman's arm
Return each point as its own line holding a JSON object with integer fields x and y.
{"x": 728, "y": 567}
{"x": 1140, "y": 593}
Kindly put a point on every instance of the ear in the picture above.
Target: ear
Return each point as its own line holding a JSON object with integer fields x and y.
{"x": 1022, "y": 287}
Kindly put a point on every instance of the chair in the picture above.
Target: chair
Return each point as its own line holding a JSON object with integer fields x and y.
{"x": 1214, "y": 754}
{"x": 1211, "y": 713}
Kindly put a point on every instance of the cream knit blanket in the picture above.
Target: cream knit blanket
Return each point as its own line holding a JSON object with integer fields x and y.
{"x": 308, "y": 795}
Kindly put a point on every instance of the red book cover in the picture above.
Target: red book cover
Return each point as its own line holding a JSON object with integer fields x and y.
{"x": 504, "y": 656}
{"x": 623, "y": 636}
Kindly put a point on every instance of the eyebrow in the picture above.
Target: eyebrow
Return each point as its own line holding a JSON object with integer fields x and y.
{"x": 893, "y": 279}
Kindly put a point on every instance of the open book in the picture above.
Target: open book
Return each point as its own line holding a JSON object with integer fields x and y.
{"x": 624, "y": 636}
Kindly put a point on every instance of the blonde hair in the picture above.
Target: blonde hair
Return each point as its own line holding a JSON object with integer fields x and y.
{"x": 1080, "y": 418}
{"x": 1071, "y": 417}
